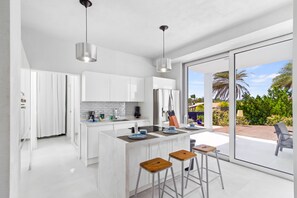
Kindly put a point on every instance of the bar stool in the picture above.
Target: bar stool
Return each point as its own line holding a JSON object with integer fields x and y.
{"x": 182, "y": 156}
{"x": 154, "y": 166}
{"x": 204, "y": 150}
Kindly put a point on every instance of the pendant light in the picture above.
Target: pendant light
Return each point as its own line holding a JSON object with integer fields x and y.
{"x": 85, "y": 51}
{"x": 163, "y": 64}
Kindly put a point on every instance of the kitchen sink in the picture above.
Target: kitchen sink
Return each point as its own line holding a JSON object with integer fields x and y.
{"x": 120, "y": 119}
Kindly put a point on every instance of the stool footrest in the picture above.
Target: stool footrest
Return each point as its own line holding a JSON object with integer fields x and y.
{"x": 179, "y": 193}
{"x": 211, "y": 179}
{"x": 212, "y": 171}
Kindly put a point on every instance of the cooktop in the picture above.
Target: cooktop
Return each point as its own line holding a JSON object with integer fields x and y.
{"x": 149, "y": 128}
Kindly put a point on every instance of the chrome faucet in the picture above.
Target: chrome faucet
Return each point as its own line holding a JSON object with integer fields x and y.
{"x": 115, "y": 113}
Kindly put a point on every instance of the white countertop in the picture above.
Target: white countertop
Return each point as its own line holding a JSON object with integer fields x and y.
{"x": 107, "y": 122}
{"x": 122, "y": 132}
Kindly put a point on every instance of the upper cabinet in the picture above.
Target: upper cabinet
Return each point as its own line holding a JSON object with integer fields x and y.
{"x": 119, "y": 88}
{"x": 137, "y": 89}
{"x": 111, "y": 88}
{"x": 95, "y": 87}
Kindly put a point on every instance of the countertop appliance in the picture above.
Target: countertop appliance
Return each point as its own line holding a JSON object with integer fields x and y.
{"x": 92, "y": 115}
{"x": 137, "y": 112}
{"x": 165, "y": 100}
{"x": 148, "y": 128}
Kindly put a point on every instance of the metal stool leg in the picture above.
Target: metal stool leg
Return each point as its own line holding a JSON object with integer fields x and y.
{"x": 138, "y": 178}
{"x": 174, "y": 182}
{"x": 189, "y": 169}
{"x": 153, "y": 185}
{"x": 202, "y": 166}
{"x": 159, "y": 184}
{"x": 219, "y": 167}
{"x": 182, "y": 179}
{"x": 165, "y": 182}
{"x": 206, "y": 173}
{"x": 199, "y": 176}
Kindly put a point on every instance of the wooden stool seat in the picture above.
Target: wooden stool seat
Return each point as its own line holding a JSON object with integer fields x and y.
{"x": 155, "y": 165}
{"x": 204, "y": 148}
{"x": 182, "y": 155}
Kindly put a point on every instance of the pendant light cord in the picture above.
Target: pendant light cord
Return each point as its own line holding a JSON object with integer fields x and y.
{"x": 163, "y": 44}
{"x": 86, "y": 25}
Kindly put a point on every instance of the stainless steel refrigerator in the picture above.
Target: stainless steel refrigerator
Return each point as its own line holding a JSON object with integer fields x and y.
{"x": 165, "y": 100}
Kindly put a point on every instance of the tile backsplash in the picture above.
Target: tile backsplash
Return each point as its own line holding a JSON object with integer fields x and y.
{"x": 124, "y": 108}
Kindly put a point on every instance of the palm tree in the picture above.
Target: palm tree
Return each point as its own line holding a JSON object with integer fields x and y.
{"x": 284, "y": 79}
{"x": 221, "y": 85}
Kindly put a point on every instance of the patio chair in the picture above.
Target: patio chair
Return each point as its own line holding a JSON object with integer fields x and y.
{"x": 284, "y": 138}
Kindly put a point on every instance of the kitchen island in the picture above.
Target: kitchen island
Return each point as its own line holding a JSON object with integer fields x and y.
{"x": 119, "y": 159}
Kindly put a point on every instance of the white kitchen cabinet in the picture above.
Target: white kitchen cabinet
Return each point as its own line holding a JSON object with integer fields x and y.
{"x": 89, "y": 137}
{"x": 136, "y": 89}
{"x": 95, "y": 87}
{"x": 89, "y": 142}
{"x": 119, "y": 88}
{"x": 118, "y": 126}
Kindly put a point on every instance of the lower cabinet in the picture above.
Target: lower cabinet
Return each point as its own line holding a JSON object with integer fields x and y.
{"x": 89, "y": 140}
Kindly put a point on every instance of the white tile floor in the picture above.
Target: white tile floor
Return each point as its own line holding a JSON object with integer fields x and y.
{"x": 56, "y": 172}
{"x": 249, "y": 149}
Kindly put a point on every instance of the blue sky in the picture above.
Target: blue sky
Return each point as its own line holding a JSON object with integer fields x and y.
{"x": 259, "y": 79}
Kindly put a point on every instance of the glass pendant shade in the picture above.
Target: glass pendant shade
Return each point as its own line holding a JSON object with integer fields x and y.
{"x": 86, "y": 52}
{"x": 163, "y": 65}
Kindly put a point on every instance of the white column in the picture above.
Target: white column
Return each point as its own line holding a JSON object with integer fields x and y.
{"x": 295, "y": 94}
{"x": 208, "y": 100}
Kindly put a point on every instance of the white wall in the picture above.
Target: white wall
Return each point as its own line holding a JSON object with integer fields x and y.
{"x": 52, "y": 54}
{"x": 26, "y": 89}
{"x": 15, "y": 64}
{"x": 4, "y": 98}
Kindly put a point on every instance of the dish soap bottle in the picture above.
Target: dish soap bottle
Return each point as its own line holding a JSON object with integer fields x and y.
{"x": 136, "y": 127}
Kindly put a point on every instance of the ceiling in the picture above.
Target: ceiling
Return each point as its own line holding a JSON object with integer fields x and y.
{"x": 132, "y": 25}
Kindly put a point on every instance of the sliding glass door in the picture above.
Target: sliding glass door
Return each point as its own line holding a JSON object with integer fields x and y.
{"x": 207, "y": 101}
{"x": 263, "y": 98}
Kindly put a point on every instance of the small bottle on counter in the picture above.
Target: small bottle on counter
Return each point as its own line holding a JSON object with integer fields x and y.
{"x": 136, "y": 127}
{"x": 185, "y": 119}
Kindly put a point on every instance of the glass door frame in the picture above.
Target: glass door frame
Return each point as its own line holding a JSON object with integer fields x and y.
{"x": 231, "y": 54}
{"x": 186, "y": 84}
{"x": 232, "y": 107}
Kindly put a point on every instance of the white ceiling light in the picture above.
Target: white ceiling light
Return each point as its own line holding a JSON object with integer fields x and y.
{"x": 85, "y": 51}
{"x": 163, "y": 64}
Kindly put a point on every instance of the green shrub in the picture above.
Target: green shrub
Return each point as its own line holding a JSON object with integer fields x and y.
{"x": 220, "y": 118}
{"x": 224, "y": 104}
{"x": 272, "y": 120}
{"x": 258, "y": 109}
{"x": 241, "y": 120}
{"x": 200, "y": 117}
{"x": 199, "y": 108}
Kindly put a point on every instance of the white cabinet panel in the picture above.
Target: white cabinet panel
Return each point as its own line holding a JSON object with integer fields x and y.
{"x": 93, "y": 139}
{"x": 124, "y": 125}
{"x": 114, "y": 88}
{"x": 90, "y": 141}
{"x": 119, "y": 88}
{"x": 95, "y": 87}
{"x": 137, "y": 89}
{"x": 143, "y": 123}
